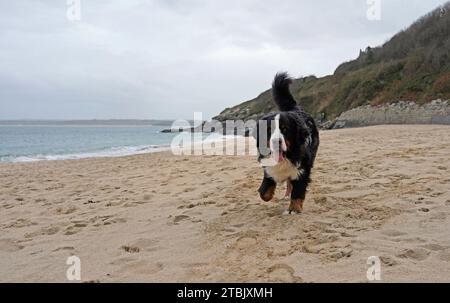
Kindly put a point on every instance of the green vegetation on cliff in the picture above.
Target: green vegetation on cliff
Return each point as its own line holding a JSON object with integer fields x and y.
{"x": 413, "y": 65}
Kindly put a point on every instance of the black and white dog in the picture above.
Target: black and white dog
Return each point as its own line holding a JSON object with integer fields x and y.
{"x": 287, "y": 146}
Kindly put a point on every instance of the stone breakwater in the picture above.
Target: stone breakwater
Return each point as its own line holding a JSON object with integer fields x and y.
{"x": 402, "y": 112}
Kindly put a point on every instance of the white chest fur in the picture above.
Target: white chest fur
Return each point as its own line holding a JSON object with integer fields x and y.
{"x": 283, "y": 171}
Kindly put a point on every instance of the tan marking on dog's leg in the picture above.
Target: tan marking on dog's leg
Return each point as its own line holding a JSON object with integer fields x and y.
{"x": 296, "y": 206}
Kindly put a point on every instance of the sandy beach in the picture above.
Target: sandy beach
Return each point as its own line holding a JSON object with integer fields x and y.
{"x": 377, "y": 191}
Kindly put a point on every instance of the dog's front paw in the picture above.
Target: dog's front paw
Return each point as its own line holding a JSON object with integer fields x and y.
{"x": 268, "y": 195}
{"x": 296, "y": 206}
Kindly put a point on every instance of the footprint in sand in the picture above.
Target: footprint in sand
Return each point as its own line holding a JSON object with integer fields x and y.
{"x": 141, "y": 245}
{"x": 282, "y": 273}
{"x": 65, "y": 211}
{"x": 418, "y": 254}
{"x": 103, "y": 220}
{"x": 147, "y": 197}
{"x": 326, "y": 238}
{"x": 441, "y": 216}
{"x": 133, "y": 204}
{"x": 239, "y": 225}
{"x": 141, "y": 267}
{"x": 73, "y": 229}
{"x": 48, "y": 231}
{"x": 433, "y": 247}
{"x": 63, "y": 248}
{"x": 245, "y": 242}
{"x": 340, "y": 253}
{"x": 321, "y": 200}
{"x": 229, "y": 231}
{"x": 444, "y": 255}
{"x": 180, "y": 218}
{"x": 9, "y": 245}
{"x": 206, "y": 195}
{"x": 311, "y": 249}
{"x": 21, "y": 223}
{"x": 277, "y": 212}
{"x": 392, "y": 233}
{"x": 130, "y": 249}
{"x": 79, "y": 225}
{"x": 117, "y": 203}
{"x": 389, "y": 261}
{"x": 434, "y": 195}
{"x": 194, "y": 265}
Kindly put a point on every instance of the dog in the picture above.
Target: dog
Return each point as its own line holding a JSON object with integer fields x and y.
{"x": 287, "y": 143}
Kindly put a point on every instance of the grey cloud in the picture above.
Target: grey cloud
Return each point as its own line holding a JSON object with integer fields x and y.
{"x": 166, "y": 59}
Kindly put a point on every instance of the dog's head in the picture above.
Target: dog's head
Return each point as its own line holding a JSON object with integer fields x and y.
{"x": 280, "y": 136}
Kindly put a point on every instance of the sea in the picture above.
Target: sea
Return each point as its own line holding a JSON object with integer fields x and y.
{"x": 26, "y": 141}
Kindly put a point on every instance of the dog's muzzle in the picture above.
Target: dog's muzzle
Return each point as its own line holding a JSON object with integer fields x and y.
{"x": 278, "y": 147}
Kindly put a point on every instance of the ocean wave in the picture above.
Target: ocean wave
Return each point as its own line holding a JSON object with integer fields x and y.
{"x": 113, "y": 152}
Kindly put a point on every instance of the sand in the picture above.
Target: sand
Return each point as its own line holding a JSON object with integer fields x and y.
{"x": 377, "y": 191}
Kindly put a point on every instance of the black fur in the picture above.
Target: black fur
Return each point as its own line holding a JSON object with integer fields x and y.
{"x": 299, "y": 130}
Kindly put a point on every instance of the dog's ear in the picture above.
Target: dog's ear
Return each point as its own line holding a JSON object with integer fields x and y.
{"x": 302, "y": 129}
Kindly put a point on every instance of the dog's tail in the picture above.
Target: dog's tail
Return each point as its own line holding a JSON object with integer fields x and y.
{"x": 281, "y": 94}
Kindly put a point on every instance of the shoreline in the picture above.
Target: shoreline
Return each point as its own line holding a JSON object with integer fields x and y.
{"x": 150, "y": 149}
{"x": 115, "y": 152}
{"x": 138, "y": 150}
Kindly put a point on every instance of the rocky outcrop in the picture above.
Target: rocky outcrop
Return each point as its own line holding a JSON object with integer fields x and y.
{"x": 402, "y": 112}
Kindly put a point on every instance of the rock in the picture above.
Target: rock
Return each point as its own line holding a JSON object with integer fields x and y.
{"x": 401, "y": 112}
{"x": 211, "y": 127}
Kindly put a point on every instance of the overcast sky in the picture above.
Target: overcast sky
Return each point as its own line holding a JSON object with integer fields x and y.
{"x": 168, "y": 58}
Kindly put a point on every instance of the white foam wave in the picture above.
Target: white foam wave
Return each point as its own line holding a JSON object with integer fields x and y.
{"x": 113, "y": 152}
